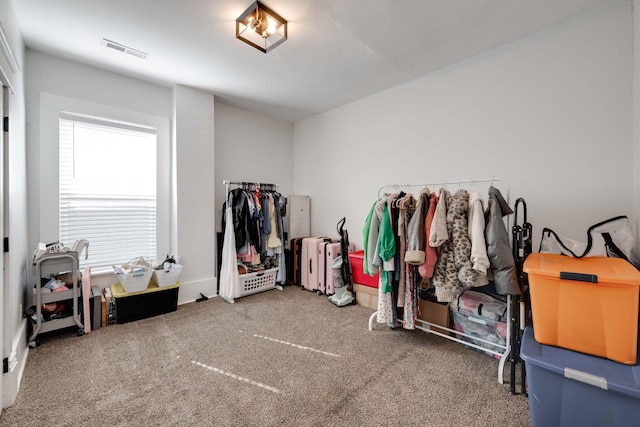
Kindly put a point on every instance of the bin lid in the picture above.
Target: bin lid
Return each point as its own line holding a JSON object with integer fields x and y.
{"x": 592, "y": 370}
{"x": 117, "y": 290}
{"x": 608, "y": 270}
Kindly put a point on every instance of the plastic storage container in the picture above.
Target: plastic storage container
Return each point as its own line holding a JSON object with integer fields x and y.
{"x": 356, "y": 259}
{"x": 483, "y": 317}
{"x": 168, "y": 277}
{"x": 585, "y": 304}
{"x": 568, "y": 388}
{"x": 149, "y": 302}
{"x": 135, "y": 282}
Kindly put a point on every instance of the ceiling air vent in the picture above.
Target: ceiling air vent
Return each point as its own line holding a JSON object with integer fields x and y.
{"x": 124, "y": 49}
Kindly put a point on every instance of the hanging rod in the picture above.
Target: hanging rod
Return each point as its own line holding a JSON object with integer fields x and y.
{"x": 227, "y": 183}
{"x": 446, "y": 183}
{"x": 258, "y": 184}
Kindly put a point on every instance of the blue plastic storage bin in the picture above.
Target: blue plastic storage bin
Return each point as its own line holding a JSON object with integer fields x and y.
{"x": 568, "y": 388}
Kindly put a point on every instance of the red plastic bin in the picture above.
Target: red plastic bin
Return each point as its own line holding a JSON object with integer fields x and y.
{"x": 356, "y": 259}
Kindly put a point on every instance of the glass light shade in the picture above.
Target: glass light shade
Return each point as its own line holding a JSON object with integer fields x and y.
{"x": 261, "y": 27}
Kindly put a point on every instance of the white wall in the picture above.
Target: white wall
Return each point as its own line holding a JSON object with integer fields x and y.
{"x": 636, "y": 120}
{"x": 550, "y": 114}
{"x": 55, "y": 76}
{"x": 16, "y": 262}
{"x": 193, "y": 128}
{"x": 198, "y": 189}
{"x": 251, "y": 147}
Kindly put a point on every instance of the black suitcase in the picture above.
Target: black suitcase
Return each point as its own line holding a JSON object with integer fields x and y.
{"x": 296, "y": 266}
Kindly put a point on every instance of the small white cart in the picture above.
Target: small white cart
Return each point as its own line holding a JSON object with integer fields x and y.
{"x": 50, "y": 264}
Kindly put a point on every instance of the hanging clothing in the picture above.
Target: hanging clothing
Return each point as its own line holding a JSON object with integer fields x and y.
{"x": 479, "y": 258}
{"x": 280, "y": 211}
{"x": 383, "y": 259}
{"x": 438, "y": 234}
{"x": 499, "y": 250}
{"x": 258, "y": 228}
{"x": 386, "y": 247}
{"x": 445, "y": 275}
{"x": 460, "y": 235}
{"x": 415, "y": 230}
{"x": 274, "y": 241}
{"x": 370, "y": 241}
{"x": 430, "y": 253}
{"x": 408, "y": 298}
{"x": 229, "y": 280}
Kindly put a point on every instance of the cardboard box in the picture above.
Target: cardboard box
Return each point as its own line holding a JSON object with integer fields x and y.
{"x": 103, "y": 301}
{"x": 569, "y": 388}
{"x": 586, "y": 304}
{"x": 366, "y": 296}
{"x": 436, "y": 313}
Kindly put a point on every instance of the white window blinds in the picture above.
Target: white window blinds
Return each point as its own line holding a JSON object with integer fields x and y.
{"x": 108, "y": 189}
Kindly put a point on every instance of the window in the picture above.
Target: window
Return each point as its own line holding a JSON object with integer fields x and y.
{"x": 108, "y": 174}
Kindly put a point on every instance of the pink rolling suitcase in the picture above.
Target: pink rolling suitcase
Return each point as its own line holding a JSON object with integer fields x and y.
{"x": 327, "y": 252}
{"x": 309, "y": 275}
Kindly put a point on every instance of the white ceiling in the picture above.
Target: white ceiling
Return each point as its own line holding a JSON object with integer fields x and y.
{"x": 338, "y": 50}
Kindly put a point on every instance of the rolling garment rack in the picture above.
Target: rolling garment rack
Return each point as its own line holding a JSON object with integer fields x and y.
{"x": 499, "y": 350}
{"x": 259, "y": 281}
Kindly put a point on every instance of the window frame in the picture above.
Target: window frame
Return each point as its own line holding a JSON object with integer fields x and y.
{"x": 51, "y": 109}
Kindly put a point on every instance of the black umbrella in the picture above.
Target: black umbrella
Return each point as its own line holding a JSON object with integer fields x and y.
{"x": 522, "y": 244}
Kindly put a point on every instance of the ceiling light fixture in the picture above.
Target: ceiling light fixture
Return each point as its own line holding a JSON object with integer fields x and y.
{"x": 261, "y": 27}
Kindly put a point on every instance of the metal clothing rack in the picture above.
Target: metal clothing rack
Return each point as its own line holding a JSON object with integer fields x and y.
{"x": 503, "y": 351}
{"x": 259, "y": 281}
{"x": 249, "y": 186}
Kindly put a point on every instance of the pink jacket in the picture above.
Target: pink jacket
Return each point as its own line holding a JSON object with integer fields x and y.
{"x": 431, "y": 253}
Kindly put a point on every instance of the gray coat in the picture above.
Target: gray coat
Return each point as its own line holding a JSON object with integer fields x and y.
{"x": 499, "y": 250}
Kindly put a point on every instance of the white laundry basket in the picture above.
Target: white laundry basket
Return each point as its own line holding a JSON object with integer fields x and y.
{"x": 259, "y": 281}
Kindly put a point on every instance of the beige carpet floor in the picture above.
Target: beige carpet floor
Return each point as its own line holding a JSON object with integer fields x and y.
{"x": 276, "y": 358}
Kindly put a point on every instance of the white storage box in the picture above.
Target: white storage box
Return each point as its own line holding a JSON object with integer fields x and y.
{"x": 168, "y": 277}
{"x": 136, "y": 281}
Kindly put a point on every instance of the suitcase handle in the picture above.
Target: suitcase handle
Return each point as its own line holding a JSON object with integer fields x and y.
{"x": 310, "y": 267}
{"x": 580, "y": 277}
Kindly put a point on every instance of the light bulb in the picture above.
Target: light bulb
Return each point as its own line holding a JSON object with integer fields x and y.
{"x": 271, "y": 26}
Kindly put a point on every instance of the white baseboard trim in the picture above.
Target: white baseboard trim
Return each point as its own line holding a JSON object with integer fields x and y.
{"x": 190, "y": 291}
{"x": 17, "y": 361}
